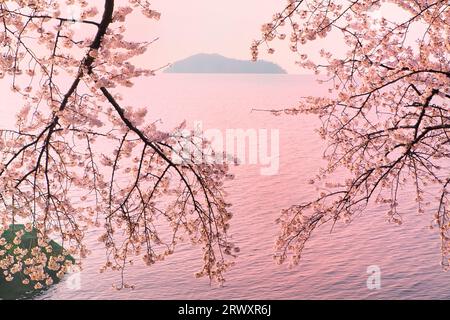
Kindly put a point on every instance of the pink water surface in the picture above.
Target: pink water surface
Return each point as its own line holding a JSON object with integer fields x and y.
{"x": 334, "y": 264}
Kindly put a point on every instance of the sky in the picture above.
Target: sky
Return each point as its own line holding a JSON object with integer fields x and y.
{"x": 226, "y": 27}
{"x": 211, "y": 26}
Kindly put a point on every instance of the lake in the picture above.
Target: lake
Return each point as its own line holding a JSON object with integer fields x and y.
{"x": 334, "y": 264}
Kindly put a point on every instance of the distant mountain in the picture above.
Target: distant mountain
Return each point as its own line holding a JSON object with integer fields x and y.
{"x": 215, "y": 63}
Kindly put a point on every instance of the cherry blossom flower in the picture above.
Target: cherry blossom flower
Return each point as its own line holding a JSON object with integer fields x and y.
{"x": 386, "y": 121}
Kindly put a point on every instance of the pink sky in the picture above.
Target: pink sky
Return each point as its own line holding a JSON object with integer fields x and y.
{"x": 205, "y": 26}
{"x": 225, "y": 27}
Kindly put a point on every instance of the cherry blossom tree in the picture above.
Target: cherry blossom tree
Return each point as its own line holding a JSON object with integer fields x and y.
{"x": 386, "y": 121}
{"x": 62, "y": 167}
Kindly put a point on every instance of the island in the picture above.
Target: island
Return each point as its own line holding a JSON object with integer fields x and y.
{"x": 216, "y": 63}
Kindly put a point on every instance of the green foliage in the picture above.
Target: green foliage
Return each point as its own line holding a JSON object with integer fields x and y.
{"x": 21, "y": 285}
